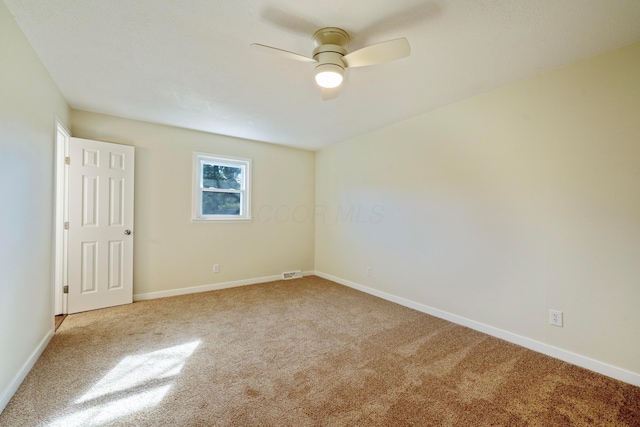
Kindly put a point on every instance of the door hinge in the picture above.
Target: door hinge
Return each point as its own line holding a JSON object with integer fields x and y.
{"x": 66, "y": 225}
{"x": 65, "y": 289}
{"x": 67, "y": 160}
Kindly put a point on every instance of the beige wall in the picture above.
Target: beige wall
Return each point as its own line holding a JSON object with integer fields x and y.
{"x": 502, "y": 206}
{"x": 29, "y": 104}
{"x": 170, "y": 251}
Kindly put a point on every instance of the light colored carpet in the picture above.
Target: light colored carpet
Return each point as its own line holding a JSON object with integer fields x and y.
{"x": 305, "y": 352}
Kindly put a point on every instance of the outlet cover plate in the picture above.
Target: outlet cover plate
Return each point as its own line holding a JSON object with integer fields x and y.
{"x": 555, "y": 318}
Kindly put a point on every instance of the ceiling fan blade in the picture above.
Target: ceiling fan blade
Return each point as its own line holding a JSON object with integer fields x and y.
{"x": 329, "y": 94}
{"x": 378, "y": 53}
{"x": 284, "y": 53}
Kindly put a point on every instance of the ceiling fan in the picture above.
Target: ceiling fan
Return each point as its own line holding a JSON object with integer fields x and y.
{"x": 331, "y": 57}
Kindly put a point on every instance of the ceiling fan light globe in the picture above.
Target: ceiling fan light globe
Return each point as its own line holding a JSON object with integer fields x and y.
{"x": 328, "y": 79}
{"x": 329, "y": 76}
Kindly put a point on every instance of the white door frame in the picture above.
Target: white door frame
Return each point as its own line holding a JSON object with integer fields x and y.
{"x": 61, "y": 216}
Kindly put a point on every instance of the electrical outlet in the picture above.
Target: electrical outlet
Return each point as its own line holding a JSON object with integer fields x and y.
{"x": 368, "y": 271}
{"x": 555, "y": 318}
{"x": 216, "y": 268}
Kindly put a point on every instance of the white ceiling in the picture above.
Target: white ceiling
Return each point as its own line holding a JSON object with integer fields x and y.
{"x": 188, "y": 63}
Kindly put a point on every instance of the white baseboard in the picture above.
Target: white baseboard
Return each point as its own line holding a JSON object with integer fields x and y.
{"x": 11, "y": 389}
{"x": 212, "y": 287}
{"x": 555, "y": 352}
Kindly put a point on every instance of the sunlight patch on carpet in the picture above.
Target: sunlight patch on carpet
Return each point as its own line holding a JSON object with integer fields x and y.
{"x": 107, "y": 412}
{"x": 139, "y": 378}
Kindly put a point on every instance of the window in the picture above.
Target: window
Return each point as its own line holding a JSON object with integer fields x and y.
{"x": 221, "y": 188}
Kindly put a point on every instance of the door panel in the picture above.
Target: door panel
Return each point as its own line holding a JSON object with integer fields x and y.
{"x": 116, "y": 201}
{"x": 100, "y": 220}
{"x": 116, "y": 266}
{"x": 89, "y": 266}
{"x": 89, "y": 201}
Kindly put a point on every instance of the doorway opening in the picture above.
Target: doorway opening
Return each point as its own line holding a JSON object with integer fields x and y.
{"x": 58, "y": 320}
{"x": 93, "y": 261}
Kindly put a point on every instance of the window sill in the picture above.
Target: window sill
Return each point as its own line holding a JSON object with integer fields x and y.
{"x": 209, "y": 220}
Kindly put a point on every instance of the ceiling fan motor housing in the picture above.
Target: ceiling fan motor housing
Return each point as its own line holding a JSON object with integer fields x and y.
{"x": 330, "y": 47}
{"x": 331, "y": 35}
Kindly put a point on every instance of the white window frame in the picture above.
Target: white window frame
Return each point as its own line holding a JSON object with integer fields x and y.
{"x": 199, "y": 159}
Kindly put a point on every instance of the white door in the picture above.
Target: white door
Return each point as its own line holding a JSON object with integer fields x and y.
{"x": 100, "y": 266}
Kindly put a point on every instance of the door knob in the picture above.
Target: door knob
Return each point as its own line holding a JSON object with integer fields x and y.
{"x": 127, "y": 232}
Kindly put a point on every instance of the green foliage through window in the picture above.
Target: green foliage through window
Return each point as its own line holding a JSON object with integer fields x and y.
{"x": 220, "y": 203}
{"x": 214, "y": 176}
